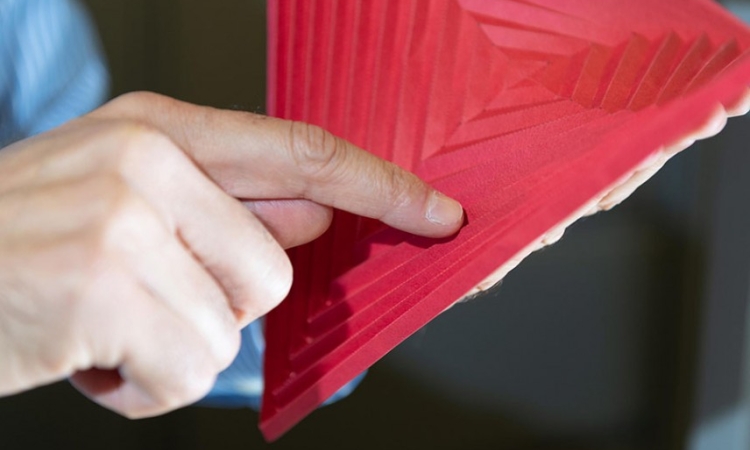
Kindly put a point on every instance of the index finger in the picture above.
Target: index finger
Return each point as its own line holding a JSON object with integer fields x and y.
{"x": 258, "y": 157}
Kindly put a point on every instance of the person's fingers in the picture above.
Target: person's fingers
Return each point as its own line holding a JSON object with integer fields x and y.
{"x": 226, "y": 238}
{"x": 138, "y": 276}
{"x": 167, "y": 327}
{"x": 170, "y": 273}
{"x": 160, "y": 362}
{"x": 253, "y": 156}
{"x": 292, "y": 222}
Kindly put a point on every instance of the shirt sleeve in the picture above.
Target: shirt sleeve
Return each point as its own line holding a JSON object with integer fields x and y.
{"x": 51, "y": 67}
{"x": 241, "y": 385}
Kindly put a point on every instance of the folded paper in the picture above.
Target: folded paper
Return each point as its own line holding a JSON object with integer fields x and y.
{"x": 525, "y": 111}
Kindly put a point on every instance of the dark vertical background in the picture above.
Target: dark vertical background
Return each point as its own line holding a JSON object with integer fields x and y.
{"x": 206, "y": 52}
{"x": 594, "y": 343}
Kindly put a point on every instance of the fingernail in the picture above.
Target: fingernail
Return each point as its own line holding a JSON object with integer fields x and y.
{"x": 443, "y": 210}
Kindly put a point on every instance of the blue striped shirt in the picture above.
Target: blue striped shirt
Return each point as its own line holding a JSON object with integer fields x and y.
{"x": 52, "y": 70}
{"x": 50, "y": 67}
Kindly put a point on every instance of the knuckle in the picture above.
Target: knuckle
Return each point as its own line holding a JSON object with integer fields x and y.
{"x": 113, "y": 193}
{"x": 189, "y": 379}
{"x": 313, "y": 149}
{"x": 58, "y": 361}
{"x": 128, "y": 223}
{"x": 229, "y": 350}
{"x": 281, "y": 282}
{"x": 186, "y": 388}
{"x": 129, "y": 413}
{"x": 104, "y": 267}
{"x": 137, "y": 99}
{"x": 141, "y": 146}
{"x": 191, "y": 385}
{"x": 278, "y": 283}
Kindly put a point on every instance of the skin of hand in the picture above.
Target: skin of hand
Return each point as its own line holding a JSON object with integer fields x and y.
{"x": 128, "y": 265}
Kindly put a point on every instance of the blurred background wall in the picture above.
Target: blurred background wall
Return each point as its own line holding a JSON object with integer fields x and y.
{"x": 628, "y": 334}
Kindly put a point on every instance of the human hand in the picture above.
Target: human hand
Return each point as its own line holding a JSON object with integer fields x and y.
{"x": 127, "y": 264}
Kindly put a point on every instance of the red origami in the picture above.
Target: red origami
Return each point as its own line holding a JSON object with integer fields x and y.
{"x": 531, "y": 113}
